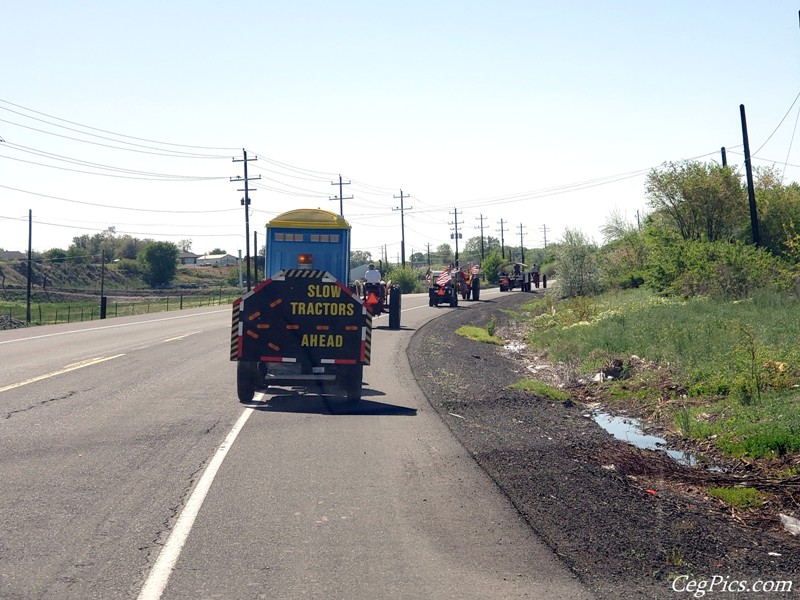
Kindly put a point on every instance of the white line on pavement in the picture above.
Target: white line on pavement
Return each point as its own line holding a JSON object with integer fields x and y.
{"x": 67, "y": 369}
{"x": 165, "y": 564}
{"x": 46, "y": 335}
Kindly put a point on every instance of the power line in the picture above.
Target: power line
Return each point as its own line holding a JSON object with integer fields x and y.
{"x": 164, "y": 178}
{"x": 130, "y": 137}
{"x": 151, "y": 210}
{"x": 156, "y": 152}
{"x": 84, "y": 163}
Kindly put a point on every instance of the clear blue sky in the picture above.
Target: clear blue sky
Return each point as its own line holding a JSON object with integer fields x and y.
{"x": 537, "y": 113}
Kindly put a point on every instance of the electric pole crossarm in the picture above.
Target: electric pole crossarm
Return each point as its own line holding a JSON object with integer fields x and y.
{"x": 455, "y": 235}
{"x": 341, "y": 196}
{"x": 246, "y": 204}
{"x": 402, "y": 210}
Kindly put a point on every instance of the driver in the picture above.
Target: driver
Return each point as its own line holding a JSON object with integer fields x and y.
{"x": 372, "y": 275}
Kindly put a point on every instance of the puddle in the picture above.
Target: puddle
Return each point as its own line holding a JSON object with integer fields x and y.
{"x": 628, "y": 430}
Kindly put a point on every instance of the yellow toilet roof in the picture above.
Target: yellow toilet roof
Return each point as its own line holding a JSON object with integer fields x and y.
{"x": 309, "y": 218}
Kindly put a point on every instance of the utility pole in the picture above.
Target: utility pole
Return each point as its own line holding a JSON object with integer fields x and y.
{"x": 402, "y": 210}
{"x": 429, "y": 255}
{"x": 502, "y": 239}
{"x": 341, "y": 197}
{"x": 544, "y": 233}
{"x": 724, "y": 157}
{"x": 521, "y": 247}
{"x": 246, "y": 204}
{"x": 481, "y": 228}
{"x": 30, "y": 267}
{"x": 455, "y": 235}
{"x": 751, "y": 194}
{"x": 103, "y": 301}
{"x": 255, "y": 253}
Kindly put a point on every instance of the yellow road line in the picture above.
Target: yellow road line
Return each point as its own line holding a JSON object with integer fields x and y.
{"x": 67, "y": 369}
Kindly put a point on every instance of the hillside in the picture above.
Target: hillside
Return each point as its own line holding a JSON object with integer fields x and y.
{"x": 82, "y": 278}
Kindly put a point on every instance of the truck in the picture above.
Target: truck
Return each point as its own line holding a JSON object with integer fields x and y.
{"x": 302, "y": 325}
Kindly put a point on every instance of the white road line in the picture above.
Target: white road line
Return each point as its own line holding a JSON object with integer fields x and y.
{"x": 165, "y": 564}
{"x": 180, "y": 337}
{"x": 67, "y": 369}
{"x": 46, "y": 335}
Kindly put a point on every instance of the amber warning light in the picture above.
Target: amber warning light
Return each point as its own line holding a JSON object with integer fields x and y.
{"x": 304, "y": 261}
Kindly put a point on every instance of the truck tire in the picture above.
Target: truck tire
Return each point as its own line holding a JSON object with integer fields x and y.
{"x": 394, "y": 307}
{"x": 247, "y": 380}
{"x": 476, "y": 288}
{"x": 352, "y": 379}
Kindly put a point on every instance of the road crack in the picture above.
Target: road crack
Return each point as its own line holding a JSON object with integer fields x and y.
{"x": 40, "y": 404}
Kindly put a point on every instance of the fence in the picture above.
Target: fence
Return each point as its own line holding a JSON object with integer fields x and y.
{"x": 51, "y": 313}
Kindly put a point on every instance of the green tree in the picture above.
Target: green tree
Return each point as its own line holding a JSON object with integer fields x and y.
{"x": 701, "y": 201}
{"x": 490, "y": 265}
{"x": 472, "y": 249}
{"x": 56, "y": 255}
{"x": 577, "y": 265}
{"x": 623, "y": 258}
{"x": 159, "y": 263}
{"x": 444, "y": 254}
{"x": 778, "y": 213}
{"x": 126, "y": 246}
{"x": 217, "y": 251}
{"x": 360, "y": 257}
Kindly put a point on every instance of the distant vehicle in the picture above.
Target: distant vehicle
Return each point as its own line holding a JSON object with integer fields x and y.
{"x": 514, "y": 276}
{"x": 442, "y": 289}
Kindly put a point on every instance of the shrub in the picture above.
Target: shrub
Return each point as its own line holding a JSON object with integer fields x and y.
{"x": 128, "y": 267}
{"x": 714, "y": 269}
{"x": 576, "y": 264}
{"x": 405, "y": 277}
{"x": 489, "y": 267}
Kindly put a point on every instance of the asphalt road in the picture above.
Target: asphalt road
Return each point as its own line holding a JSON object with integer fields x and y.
{"x": 112, "y": 431}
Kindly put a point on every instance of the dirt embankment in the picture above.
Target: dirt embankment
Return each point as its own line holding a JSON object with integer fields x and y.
{"x": 627, "y": 521}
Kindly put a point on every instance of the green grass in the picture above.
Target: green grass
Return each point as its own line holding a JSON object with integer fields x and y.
{"x": 767, "y": 429}
{"x": 735, "y": 365}
{"x": 478, "y": 334}
{"x": 706, "y": 342}
{"x": 738, "y": 497}
{"x": 540, "y": 389}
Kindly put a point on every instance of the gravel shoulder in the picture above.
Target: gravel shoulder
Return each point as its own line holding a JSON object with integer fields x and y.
{"x": 628, "y": 522}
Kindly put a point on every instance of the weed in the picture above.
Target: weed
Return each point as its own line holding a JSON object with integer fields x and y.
{"x": 735, "y": 360}
{"x": 674, "y": 558}
{"x": 478, "y": 334}
{"x": 491, "y": 326}
{"x": 685, "y": 422}
{"x": 736, "y": 497}
{"x": 540, "y": 389}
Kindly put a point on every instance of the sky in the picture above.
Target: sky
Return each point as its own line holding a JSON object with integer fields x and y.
{"x": 540, "y": 115}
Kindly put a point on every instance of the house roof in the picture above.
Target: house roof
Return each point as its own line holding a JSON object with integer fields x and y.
{"x": 12, "y": 255}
